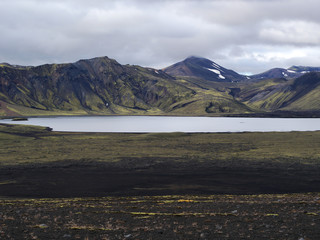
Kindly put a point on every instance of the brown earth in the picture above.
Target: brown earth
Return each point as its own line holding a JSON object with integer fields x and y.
{"x": 5, "y": 111}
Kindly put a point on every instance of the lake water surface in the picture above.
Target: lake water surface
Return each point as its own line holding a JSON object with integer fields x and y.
{"x": 171, "y": 124}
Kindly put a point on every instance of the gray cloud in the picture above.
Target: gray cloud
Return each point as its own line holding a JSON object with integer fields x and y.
{"x": 246, "y": 35}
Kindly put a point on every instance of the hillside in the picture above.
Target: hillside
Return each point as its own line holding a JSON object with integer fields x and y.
{"x": 300, "y": 94}
{"x": 96, "y": 86}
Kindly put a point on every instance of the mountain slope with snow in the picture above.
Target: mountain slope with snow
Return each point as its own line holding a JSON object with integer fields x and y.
{"x": 290, "y": 73}
{"x": 203, "y": 68}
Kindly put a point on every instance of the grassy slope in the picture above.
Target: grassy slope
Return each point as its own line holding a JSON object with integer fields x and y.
{"x": 211, "y": 99}
{"x": 310, "y": 101}
{"x": 264, "y": 95}
{"x": 299, "y": 94}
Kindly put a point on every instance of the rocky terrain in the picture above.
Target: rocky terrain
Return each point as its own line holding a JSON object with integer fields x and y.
{"x": 289, "y": 216}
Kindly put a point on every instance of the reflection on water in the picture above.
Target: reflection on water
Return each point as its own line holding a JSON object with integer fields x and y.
{"x": 172, "y": 124}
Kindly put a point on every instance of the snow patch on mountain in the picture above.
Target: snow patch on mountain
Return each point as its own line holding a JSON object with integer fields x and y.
{"x": 216, "y": 72}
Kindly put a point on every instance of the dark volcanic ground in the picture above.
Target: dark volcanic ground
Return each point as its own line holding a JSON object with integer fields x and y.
{"x": 159, "y": 201}
{"x": 138, "y": 177}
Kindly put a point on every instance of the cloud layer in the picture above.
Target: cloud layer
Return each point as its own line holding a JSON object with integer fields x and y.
{"x": 245, "y": 35}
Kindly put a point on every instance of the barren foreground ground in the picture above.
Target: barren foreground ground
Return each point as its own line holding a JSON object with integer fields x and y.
{"x": 292, "y": 216}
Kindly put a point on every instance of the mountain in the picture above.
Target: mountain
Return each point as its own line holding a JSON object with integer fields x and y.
{"x": 203, "y": 68}
{"x": 292, "y": 72}
{"x": 97, "y": 86}
{"x": 195, "y": 86}
{"x": 276, "y": 73}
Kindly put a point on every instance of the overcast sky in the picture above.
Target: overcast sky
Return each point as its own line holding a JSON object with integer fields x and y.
{"x": 248, "y": 36}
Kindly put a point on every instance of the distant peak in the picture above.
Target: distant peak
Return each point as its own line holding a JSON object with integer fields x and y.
{"x": 294, "y": 67}
{"x": 199, "y": 60}
{"x": 96, "y": 58}
{"x": 194, "y": 57}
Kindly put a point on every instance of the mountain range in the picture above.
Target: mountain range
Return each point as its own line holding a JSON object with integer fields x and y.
{"x": 195, "y": 86}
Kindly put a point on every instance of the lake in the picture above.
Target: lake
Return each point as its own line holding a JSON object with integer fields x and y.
{"x": 141, "y": 124}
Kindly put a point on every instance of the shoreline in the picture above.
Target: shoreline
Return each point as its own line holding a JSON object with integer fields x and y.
{"x": 276, "y": 114}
